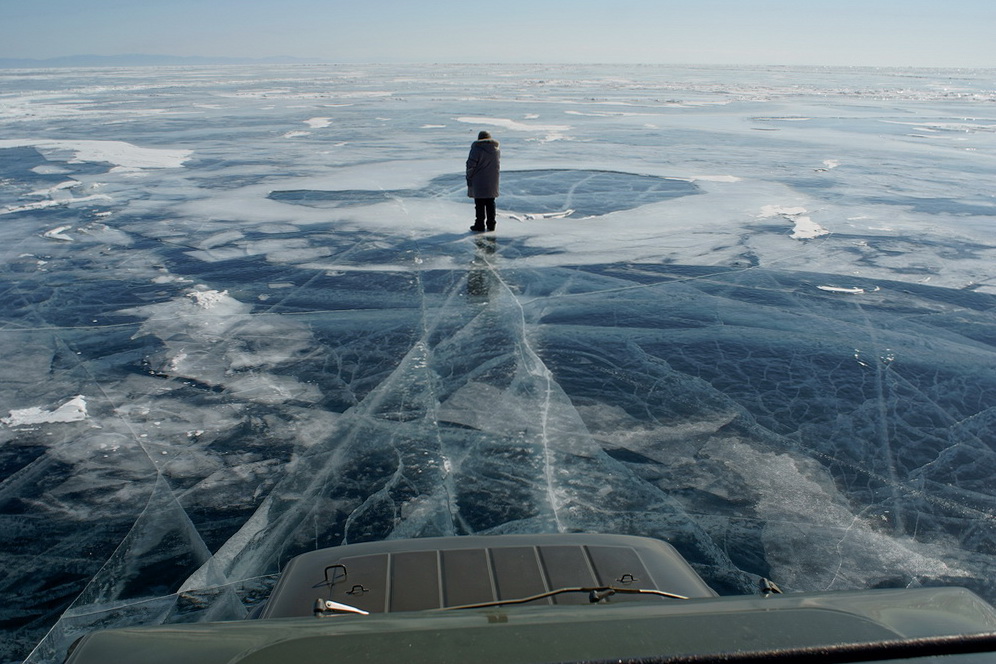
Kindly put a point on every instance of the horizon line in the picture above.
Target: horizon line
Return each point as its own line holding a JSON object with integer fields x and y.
{"x": 12, "y": 62}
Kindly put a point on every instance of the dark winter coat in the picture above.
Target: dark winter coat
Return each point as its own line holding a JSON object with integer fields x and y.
{"x": 483, "y": 169}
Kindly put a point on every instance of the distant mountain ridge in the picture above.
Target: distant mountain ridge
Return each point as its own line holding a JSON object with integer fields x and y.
{"x": 139, "y": 60}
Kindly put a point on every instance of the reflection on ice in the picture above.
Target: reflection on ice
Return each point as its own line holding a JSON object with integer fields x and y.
{"x": 263, "y": 344}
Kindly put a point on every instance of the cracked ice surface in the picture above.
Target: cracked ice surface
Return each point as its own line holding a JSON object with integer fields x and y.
{"x": 749, "y": 312}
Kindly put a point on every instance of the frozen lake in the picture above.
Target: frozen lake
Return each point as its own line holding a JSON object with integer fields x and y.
{"x": 751, "y": 312}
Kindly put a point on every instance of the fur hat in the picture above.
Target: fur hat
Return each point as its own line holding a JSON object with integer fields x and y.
{"x": 481, "y": 136}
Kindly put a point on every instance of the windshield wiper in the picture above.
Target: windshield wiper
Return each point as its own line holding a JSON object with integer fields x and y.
{"x": 595, "y": 594}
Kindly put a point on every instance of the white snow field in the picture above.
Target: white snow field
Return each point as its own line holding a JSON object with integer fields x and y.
{"x": 750, "y": 311}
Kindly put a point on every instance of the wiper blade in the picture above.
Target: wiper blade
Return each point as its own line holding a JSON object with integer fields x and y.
{"x": 595, "y": 595}
{"x": 326, "y": 606}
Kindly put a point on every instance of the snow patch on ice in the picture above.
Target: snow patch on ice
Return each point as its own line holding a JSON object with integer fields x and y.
{"x": 318, "y": 123}
{"x": 208, "y": 299}
{"x": 58, "y": 234}
{"x": 125, "y": 156}
{"x": 56, "y": 195}
{"x": 769, "y": 211}
{"x": 714, "y": 178}
{"x": 73, "y": 410}
{"x": 40, "y": 205}
{"x": 49, "y": 169}
{"x": 841, "y": 289}
{"x": 216, "y": 339}
{"x": 542, "y": 215}
{"x": 793, "y": 490}
{"x": 956, "y": 127}
{"x": 51, "y": 191}
{"x": 553, "y": 132}
{"x": 805, "y": 228}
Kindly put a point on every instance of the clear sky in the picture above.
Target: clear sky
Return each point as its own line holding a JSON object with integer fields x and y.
{"x": 941, "y": 33}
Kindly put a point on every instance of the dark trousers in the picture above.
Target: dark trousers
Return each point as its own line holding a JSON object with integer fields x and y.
{"x": 484, "y": 210}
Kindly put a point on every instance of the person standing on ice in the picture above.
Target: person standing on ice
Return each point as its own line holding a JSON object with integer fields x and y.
{"x": 483, "y": 174}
